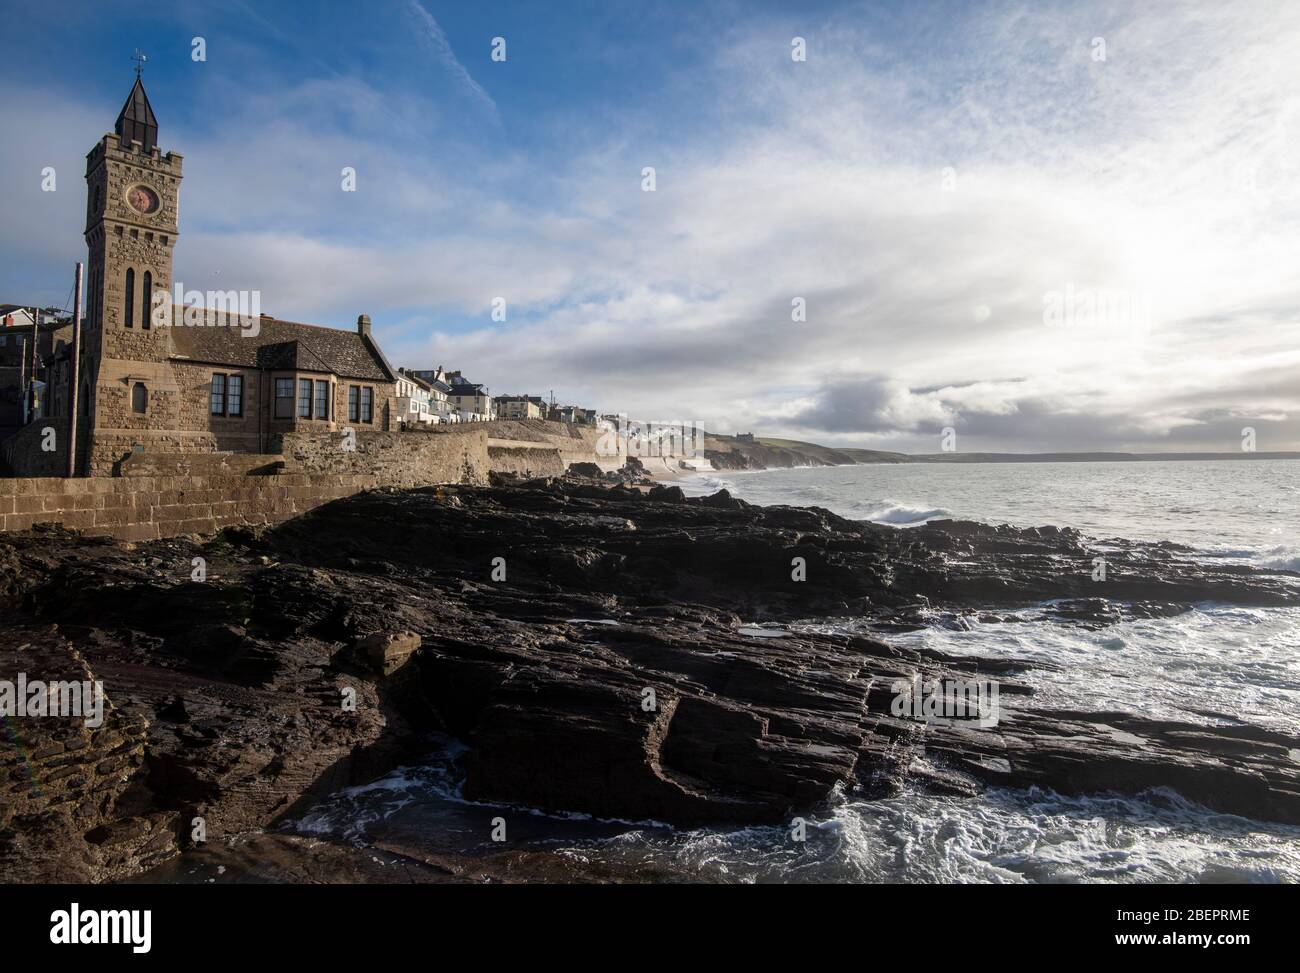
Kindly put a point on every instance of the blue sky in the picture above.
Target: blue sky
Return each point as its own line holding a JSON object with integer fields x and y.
{"x": 929, "y": 182}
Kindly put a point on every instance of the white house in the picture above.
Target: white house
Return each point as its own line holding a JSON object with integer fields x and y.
{"x": 435, "y": 382}
{"x": 16, "y": 316}
{"x": 414, "y": 400}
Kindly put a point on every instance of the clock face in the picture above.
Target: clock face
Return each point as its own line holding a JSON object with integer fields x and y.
{"x": 142, "y": 199}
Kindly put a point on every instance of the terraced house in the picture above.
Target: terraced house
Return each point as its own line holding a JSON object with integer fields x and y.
{"x": 151, "y": 382}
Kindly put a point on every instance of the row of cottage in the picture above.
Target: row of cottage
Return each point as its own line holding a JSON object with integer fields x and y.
{"x": 192, "y": 378}
{"x": 435, "y": 395}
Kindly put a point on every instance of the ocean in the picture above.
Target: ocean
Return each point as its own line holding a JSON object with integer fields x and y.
{"x": 1213, "y": 664}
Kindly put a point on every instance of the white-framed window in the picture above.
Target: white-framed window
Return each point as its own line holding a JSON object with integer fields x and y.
{"x": 217, "y": 396}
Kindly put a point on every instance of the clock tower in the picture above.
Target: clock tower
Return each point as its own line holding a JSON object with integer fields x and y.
{"x": 132, "y": 221}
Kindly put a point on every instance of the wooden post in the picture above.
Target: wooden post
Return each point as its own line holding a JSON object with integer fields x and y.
{"x": 74, "y": 376}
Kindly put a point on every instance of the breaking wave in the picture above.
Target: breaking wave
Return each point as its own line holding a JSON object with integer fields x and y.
{"x": 889, "y": 512}
{"x": 1281, "y": 558}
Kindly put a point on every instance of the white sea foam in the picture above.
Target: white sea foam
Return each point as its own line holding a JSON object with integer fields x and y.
{"x": 1284, "y": 557}
{"x": 704, "y": 484}
{"x": 1003, "y": 836}
{"x": 1212, "y": 665}
{"x": 901, "y": 514}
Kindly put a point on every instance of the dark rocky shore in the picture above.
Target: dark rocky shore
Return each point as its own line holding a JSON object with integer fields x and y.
{"x": 226, "y": 694}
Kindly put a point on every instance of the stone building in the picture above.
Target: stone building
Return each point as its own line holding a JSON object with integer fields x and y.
{"x": 162, "y": 378}
{"x": 520, "y": 406}
{"x": 469, "y": 400}
{"x": 573, "y": 414}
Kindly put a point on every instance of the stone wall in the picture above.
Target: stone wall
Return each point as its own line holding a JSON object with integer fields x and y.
{"x": 409, "y": 458}
{"x": 529, "y": 462}
{"x": 178, "y": 419}
{"x": 203, "y": 464}
{"x": 574, "y": 443}
{"x": 242, "y": 432}
{"x": 161, "y": 496}
{"x": 149, "y": 507}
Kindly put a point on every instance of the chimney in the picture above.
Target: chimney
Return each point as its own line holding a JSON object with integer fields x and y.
{"x": 363, "y": 324}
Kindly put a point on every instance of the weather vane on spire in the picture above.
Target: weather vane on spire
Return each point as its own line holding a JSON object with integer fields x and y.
{"x": 139, "y": 57}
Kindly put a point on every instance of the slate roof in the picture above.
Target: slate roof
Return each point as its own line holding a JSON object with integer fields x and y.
{"x": 281, "y": 345}
{"x": 534, "y": 399}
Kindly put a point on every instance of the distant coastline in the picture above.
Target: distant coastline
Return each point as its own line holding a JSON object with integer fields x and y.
{"x": 734, "y": 453}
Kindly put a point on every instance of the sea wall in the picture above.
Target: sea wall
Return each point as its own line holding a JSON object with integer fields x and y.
{"x": 167, "y": 494}
{"x": 526, "y": 461}
{"x": 202, "y": 464}
{"x": 148, "y": 507}
{"x": 573, "y": 443}
{"x": 409, "y": 458}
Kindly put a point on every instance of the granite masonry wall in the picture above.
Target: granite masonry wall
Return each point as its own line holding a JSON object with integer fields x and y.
{"x": 161, "y": 496}
{"x": 203, "y": 464}
{"x": 148, "y": 507}
{"x": 574, "y": 443}
{"x": 178, "y": 419}
{"x": 528, "y": 462}
{"x": 409, "y": 458}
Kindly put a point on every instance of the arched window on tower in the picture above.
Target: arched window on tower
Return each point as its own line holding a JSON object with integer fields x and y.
{"x": 146, "y": 298}
{"x": 128, "y": 318}
{"x": 139, "y": 398}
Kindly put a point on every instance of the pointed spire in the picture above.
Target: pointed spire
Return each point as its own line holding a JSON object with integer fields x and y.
{"x": 136, "y": 121}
